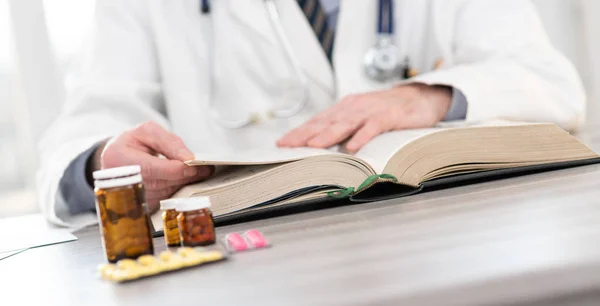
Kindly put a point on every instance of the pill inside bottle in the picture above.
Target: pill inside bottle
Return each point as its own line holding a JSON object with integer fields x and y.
{"x": 170, "y": 223}
{"x": 123, "y": 213}
{"x": 195, "y": 220}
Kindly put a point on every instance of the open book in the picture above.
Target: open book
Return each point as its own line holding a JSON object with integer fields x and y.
{"x": 392, "y": 165}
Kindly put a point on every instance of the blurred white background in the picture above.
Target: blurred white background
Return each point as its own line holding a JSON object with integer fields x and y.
{"x": 41, "y": 38}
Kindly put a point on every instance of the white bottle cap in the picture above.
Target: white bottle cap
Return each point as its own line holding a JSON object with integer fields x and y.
{"x": 193, "y": 203}
{"x": 117, "y": 177}
{"x": 169, "y": 204}
{"x": 116, "y": 172}
{"x": 118, "y": 182}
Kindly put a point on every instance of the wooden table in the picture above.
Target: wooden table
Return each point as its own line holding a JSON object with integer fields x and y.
{"x": 532, "y": 240}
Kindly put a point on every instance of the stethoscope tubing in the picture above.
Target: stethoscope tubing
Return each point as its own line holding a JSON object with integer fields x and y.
{"x": 385, "y": 24}
{"x": 276, "y": 24}
{"x": 385, "y": 30}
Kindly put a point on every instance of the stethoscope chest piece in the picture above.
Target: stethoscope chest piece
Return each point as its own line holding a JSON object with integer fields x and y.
{"x": 382, "y": 62}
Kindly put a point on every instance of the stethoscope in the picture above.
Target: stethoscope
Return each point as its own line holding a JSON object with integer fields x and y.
{"x": 381, "y": 63}
{"x": 301, "y": 95}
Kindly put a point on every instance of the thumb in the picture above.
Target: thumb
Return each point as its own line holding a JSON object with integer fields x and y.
{"x": 163, "y": 142}
{"x": 183, "y": 154}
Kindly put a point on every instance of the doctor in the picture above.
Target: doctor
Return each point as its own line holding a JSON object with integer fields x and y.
{"x": 176, "y": 77}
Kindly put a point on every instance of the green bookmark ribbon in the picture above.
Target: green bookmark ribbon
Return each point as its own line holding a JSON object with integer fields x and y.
{"x": 344, "y": 193}
{"x": 341, "y": 194}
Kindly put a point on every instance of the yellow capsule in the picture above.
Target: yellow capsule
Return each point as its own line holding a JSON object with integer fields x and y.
{"x": 160, "y": 265}
{"x": 153, "y": 269}
{"x": 185, "y": 251}
{"x": 144, "y": 271}
{"x": 127, "y": 264}
{"x": 106, "y": 270}
{"x": 193, "y": 259}
{"x": 146, "y": 260}
{"x": 165, "y": 255}
{"x": 174, "y": 263}
{"x": 121, "y": 276}
{"x": 137, "y": 272}
{"x": 103, "y": 267}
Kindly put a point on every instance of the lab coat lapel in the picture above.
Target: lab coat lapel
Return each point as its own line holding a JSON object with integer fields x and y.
{"x": 442, "y": 28}
{"x": 253, "y": 15}
{"x": 298, "y": 31}
{"x": 355, "y": 34}
{"x": 306, "y": 45}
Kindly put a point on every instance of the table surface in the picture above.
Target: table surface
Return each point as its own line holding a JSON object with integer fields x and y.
{"x": 531, "y": 240}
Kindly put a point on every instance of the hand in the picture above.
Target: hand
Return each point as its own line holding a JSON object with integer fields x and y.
{"x": 364, "y": 116}
{"x": 140, "y": 146}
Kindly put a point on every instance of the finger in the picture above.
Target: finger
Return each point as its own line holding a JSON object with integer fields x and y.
{"x": 162, "y": 141}
{"x": 202, "y": 172}
{"x": 162, "y": 184}
{"x": 163, "y": 169}
{"x": 366, "y": 133}
{"x": 346, "y": 103}
{"x": 350, "y": 108}
{"x": 157, "y": 184}
{"x": 153, "y": 206}
{"x": 162, "y": 194}
{"x": 299, "y": 137}
{"x": 334, "y": 134}
{"x": 327, "y": 115}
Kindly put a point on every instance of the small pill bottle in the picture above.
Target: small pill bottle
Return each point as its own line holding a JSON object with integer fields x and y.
{"x": 170, "y": 225}
{"x": 122, "y": 213}
{"x": 196, "y": 225}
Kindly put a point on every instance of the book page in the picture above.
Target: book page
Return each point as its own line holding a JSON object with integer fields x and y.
{"x": 223, "y": 176}
{"x": 383, "y": 147}
{"x": 258, "y": 156}
{"x": 226, "y": 175}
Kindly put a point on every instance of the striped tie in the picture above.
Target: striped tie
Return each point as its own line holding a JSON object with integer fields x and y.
{"x": 318, "y": 20}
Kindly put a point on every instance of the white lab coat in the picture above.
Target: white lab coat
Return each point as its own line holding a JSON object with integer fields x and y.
{"x": 149, "y": 60}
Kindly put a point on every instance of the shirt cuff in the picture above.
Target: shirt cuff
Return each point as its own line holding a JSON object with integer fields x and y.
{"x": 458, "y": 106}
{"x": 74, "y": 187}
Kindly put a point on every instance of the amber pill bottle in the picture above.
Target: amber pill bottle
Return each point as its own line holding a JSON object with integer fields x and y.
{"x": 122, "y": 213}
{"x": 170, "y": 224}
{"x": 196, "y": 226}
